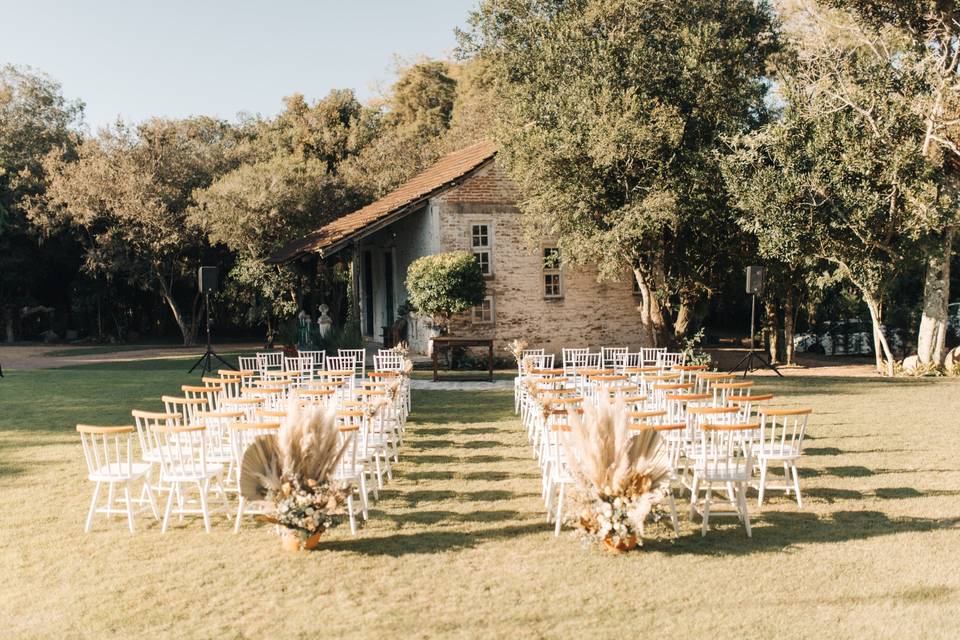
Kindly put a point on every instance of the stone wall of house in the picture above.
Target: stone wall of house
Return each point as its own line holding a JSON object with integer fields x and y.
{"x": 590, "y": 313}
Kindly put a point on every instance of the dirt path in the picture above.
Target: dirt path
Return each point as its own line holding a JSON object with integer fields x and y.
{"x": 27, "y": 357}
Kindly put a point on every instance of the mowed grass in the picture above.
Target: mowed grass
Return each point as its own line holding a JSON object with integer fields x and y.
{"x": 458, "y": 545}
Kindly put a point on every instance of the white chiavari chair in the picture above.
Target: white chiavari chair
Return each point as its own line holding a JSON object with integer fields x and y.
{"x": 268, "y": 361}
{"x": 359, "y": 361}
{"x": 211, "y": 393}
{"x": 318, "y": 357}
{"x": 613, "y": 357}
{"x": 569, "y": 359}
{"x": 108, "y": 452}
{"x": 667, "y": 360}
{"x": 650, "y": 355}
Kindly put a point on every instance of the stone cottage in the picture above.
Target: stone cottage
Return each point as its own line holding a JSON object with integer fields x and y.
{"x": 465, "y": 202}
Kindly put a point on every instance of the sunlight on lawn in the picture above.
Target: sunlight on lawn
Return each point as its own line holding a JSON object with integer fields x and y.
{"x": 459, "y": 543}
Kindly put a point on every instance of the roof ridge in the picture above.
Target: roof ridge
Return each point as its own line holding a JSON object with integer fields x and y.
{"x": 446, "y": 170}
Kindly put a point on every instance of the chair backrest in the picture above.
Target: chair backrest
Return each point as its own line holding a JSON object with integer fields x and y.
{"x": 269, "y": 361}
{"x": 724, "y": 392}
{"x": 186, "y": 407}
{"x": 231, "y": 386}
{"x": 340, "y": 363}
{"x": 248, "y": 363}
{"x": 242, "y": 434}
{"x": 568, "y": 358}
{"x": 217, "y": 425}
{"x": 649, "y": 355}
{"x": 248, "y": 406}
{"x": 302, "y": 365}
{"x": 183, "y": 451}
{"x": 318, "y": 357}
{"x": 782, "y": 430}
{"x": 613, "y": 356}
{"x": 630, "y": 360}
{"x": 212, "y": 394}
{"x": 726, "y": 449}
{"x": 108, "y": 451}
{"x": 667, "y": 359}
{"x": 144, "y": 420}
{"x": 359, "y": 360}
{"x": 389, "y": 361}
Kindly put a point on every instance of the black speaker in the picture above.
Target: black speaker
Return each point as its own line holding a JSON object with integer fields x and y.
{"x": 755, "y": 280}
{"x": 207, "y": 279}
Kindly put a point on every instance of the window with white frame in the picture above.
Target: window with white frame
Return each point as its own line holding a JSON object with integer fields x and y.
{"x": 481, "y": 245}
{"x": 483, "y": 312}
{"x": 552, "y": 274}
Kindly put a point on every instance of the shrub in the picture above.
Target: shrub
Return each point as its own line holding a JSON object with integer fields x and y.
{"x": 445, "y": 284}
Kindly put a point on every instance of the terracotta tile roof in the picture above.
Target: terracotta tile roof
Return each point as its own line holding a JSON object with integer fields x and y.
{"x": 443, "y": 173}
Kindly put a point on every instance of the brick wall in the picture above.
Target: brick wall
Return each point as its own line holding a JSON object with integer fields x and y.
{"x": 591, "y": 313}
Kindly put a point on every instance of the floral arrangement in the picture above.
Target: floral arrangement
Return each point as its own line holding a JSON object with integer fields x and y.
{"x": 619, "y": 476}
{"x": 402, "y": 348}
{"x": 528, "y": 363}
{"x": 406, "y": 369}
{"x": 516, "y": 349}
{"x": 293, "y": 471}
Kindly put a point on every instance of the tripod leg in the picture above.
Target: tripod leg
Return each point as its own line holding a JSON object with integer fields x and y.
{"x": 215, "y": 355}
{"x": 197, "y": 363}
{"x": 767, "y": 364}
{"x": 746, "y": 359}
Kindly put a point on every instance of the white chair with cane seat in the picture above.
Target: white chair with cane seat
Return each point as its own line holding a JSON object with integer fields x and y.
{"x": 108, "y": 452}
{"x": 781, "y": 441}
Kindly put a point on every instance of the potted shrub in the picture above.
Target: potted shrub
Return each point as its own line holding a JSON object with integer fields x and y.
{"x": 443, "y": 285}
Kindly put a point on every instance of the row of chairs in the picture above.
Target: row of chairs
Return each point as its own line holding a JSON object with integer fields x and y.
{"x": 719, "y": 433}
{"x": 306, "y": 362}
{"x": 194, "y": 448}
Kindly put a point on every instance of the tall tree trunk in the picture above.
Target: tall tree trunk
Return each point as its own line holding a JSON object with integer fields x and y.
{"x": 789, "y": 322}
{"x": 651, "y": 312}
{"x": 773, "y": 328}
{"x": 880, "y": 346}
{"x": 167, "y": 296}
{"x": 8, "y": 321}
{"x": 936, "y": 298}
{"x": 685, "y": 317}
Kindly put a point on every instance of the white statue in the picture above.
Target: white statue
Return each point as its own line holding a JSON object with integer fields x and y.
{"x": 324, "y": 322}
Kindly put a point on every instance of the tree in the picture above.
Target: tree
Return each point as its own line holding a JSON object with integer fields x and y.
{"x": 128, "y": 192}
{"x": 445, "y": 284}
{"x": 917, "y": 43}
{"x": 34, "y": 119}
{"x": 812, "y": 184}
{"x": 613, "y": 113}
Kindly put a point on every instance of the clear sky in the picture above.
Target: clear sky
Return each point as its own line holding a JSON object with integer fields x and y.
{"x": 176, "y": 58}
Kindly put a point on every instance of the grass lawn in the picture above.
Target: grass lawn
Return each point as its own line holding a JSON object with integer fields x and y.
{"x": 459, "y": 546}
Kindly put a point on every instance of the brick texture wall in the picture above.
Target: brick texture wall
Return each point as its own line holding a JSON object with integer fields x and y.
{"x": 590, "y": 313}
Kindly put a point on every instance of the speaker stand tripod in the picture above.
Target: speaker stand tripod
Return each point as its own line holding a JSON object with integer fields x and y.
{"x": 747, "y": 362}
{"x": 209, "y": 354}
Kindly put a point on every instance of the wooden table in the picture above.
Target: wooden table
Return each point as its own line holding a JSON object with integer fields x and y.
{"x": 444, "y": 342}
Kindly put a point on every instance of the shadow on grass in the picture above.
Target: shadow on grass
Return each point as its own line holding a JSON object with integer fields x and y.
{"x": 414, "y": 498}
{"x": 788, "y": 529}
{"x": 436, "y": 517}
{"x": 446, "y": 431}
{"x": 430, "y": 542}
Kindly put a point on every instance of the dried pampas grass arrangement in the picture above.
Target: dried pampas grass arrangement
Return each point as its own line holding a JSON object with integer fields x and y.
{"x": 294, "y": 470}
{"x": 619, "y": 474}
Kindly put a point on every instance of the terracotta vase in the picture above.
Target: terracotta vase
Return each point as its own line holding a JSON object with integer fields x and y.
{"x": 622, "y": 546}
{"x": 291, "y": 541}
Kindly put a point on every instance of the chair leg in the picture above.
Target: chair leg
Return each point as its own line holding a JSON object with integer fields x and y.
{"x": 694, "y": 495}
{"x": 93, "y": 508}
{"x": 126, "y": 495}
{"x": 796, "y": 484}
{"x": 763, "y": 481}
{"x": 236, "y": 526}
{"x": 110, "y": 500}
{"x": 152, "y": 498}
{"x": 365, "y": 505}
{"x": 673, "y": 513}
{"x": 744, "y": 513}
{"x": 353, "y": 517}
{"x": 706, "y": 509}
{"x": 166, "y": 513}
{"x": 556, "y": 530}
{"x": 786, "y": 477}
{"x": 203, "y": 487}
